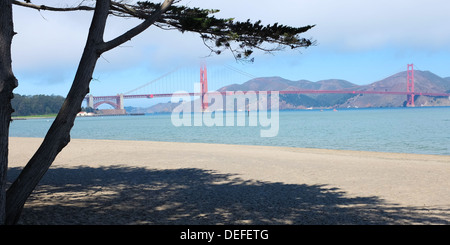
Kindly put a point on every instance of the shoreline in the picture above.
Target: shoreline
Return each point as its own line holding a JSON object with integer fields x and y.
{"x": 264, "y": 184}
{"x": 229, "y": 144}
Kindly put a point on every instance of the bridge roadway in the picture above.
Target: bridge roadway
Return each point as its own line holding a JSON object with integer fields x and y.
{"x": 280, "y": 92}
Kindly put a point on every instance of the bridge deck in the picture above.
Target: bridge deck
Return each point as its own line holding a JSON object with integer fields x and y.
{"x": 280, "y": 92}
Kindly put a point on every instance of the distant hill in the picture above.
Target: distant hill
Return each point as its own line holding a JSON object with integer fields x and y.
{"x": 279, "y": 84}
{"x": 297, "y": 101}
{"x": 158, "y": 108}
{"x": 424, "y": 81}
{"x": 447, "y": 79}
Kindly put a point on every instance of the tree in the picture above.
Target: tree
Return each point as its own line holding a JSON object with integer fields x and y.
{"x": 217, "y": 34}
{"x": 7, "y": 84}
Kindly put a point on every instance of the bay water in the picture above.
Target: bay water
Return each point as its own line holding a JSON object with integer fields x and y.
{"x": 424, "y": 130}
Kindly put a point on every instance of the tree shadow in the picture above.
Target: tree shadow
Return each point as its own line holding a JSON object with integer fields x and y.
{"x": 124, "y": 195}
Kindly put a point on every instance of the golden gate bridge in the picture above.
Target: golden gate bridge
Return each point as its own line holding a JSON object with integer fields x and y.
{"x": 117, "y": 101}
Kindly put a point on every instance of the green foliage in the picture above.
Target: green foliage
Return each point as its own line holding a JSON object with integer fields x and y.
{"x": 36, "y": 104}
{"x": 218, "y": 34}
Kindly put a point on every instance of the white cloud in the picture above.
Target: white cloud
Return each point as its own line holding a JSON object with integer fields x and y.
{"x": 352, "y": 24}
{"x": 43, "y": 37}
{"x": 365, "y": 25}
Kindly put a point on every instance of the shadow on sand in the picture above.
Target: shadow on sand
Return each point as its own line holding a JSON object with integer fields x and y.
{"x": 124, "y": 195}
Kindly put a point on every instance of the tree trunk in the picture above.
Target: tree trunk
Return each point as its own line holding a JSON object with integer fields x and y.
{"x": 58, "y": 135}
{"x": 7, "y": 84}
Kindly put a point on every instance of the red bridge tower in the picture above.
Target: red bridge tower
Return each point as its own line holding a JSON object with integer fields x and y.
{"x": 410, "y": 86}
{"x": 204, "y": 86}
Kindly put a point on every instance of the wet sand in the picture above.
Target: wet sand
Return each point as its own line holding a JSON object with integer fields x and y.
{"x": 136, "y": 182}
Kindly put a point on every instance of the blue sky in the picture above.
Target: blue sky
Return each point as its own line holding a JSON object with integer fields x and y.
{"x": 358, "y": 41}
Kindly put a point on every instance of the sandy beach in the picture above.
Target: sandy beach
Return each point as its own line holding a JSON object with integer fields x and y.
{"x": 136, "y": 182}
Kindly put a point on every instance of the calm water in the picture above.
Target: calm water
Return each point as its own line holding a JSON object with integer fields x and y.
{"x": 407, "y": 130}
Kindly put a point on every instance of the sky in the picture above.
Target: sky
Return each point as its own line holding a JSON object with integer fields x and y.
{"x": 358, "y": 41}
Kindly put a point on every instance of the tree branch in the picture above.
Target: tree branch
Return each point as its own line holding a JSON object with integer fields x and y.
{"x": 44, "y": 7}
{"x": 150, "y": 20}
{"x": 217, "y": 34}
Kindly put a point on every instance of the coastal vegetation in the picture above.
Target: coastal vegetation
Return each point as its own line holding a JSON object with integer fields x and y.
{"x": 36, "y": 105}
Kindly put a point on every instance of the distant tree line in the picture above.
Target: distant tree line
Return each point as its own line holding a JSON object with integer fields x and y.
{"x": 26, "y": 105}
